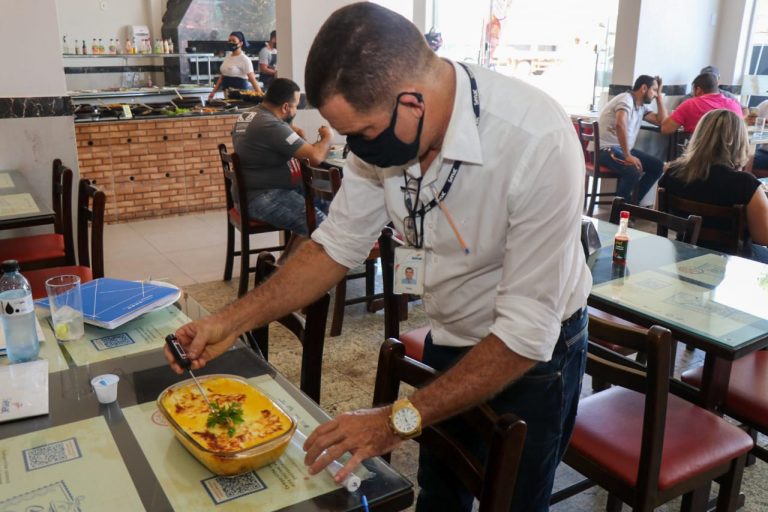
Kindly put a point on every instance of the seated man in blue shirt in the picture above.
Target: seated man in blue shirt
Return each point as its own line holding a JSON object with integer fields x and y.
{"x": 266, "y": 142}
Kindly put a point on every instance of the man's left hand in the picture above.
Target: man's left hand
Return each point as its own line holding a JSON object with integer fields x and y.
{"x": 299, "y": 132}
{"x": 364, "y": 433}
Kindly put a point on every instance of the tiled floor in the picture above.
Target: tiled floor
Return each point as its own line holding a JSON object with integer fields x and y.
{"x": 183, "y": 250}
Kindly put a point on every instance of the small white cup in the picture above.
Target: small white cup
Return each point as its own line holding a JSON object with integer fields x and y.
{"x": 105, "y": 387}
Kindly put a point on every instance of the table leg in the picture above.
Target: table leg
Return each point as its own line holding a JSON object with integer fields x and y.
{"x": 715, "y": 378}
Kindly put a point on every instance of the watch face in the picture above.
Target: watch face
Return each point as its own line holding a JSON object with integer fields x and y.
{"x": 406, "y": 420}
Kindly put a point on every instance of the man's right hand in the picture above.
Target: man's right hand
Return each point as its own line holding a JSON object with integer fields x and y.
{"x": 203, "y": 340}
{"x": 635, "y": 162}
{"x": 324, "y": 132}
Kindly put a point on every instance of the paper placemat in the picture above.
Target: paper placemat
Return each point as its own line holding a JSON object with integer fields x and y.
{"x": 147, "y": 332}
{"x": 190, "y": 486}
{"x": 17, "y": 204}
{"x": 71, "y": 467}
{"x": 5, "y": 180}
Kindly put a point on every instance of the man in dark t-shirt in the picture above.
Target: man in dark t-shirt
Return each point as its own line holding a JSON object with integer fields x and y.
{"x": 266, "y": 142}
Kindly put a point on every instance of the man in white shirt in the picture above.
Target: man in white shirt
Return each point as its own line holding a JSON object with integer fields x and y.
{"x": 505, "y": 300}
{"x": 268, "y": 61}
{"x": 620, "y": 121}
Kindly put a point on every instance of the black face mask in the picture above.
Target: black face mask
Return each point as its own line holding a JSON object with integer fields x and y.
{"x": 289, "y": 119}
{"x": 386, "y": 150}
{"x": 233, "y": 46}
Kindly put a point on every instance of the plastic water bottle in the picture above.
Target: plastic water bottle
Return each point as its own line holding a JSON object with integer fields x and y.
{"x": 18, "y": 315}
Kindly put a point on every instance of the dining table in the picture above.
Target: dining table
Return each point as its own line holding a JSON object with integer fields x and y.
{"x": 714, "y": 302}
{"x": 83, "y": 455}
{"x": 20, "y": 205}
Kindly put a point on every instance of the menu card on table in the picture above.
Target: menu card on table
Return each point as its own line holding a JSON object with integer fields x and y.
{"x": 23, "y": 390}
{"x": 17, "y": 204}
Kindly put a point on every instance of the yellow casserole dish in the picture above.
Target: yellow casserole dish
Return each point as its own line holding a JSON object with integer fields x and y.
{"x": 259, "y": 440}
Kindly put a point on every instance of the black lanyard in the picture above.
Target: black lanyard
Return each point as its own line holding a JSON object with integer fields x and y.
{"x": 475, "y": 97}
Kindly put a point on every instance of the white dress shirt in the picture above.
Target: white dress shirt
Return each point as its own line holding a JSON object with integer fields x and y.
{"x": 517, "y": 202}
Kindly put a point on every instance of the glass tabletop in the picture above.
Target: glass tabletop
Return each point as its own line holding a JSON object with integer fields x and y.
{"x": 84, "y": 451}
{"x": 19, "y": 202}
{"x": 718, "y": 299}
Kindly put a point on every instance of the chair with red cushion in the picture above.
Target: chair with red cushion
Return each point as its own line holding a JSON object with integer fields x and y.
{"x": 237, "y": 218}
{"x": 90, "y": 242}
{"x": 642, "y": 444}
{"x": 396, "y": 306}
{"x": 492, "y": 482}
{"x": 747, "y": 398}
{"x": 323, "y": 184}
{"x": 589, "y": 132}
{"x": 49, "y": 249}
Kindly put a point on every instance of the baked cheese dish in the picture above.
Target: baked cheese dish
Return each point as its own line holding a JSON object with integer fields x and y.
{"x": 262, "y": 421}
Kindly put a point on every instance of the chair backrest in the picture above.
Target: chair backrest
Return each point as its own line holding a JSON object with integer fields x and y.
{"x": 309, "y": 329}
{"x": 321, "y": 184}
{"x": 90, "y": 214}
{"x": 652, "y": 380}
{"x": 392, "y": 302}
{"x": 724, "y": 228}
{"x": 61, "y": 197}
{"x": 589, "y": 131}
{"x": 493, "y": 483}
{"x": 687, "y": 229}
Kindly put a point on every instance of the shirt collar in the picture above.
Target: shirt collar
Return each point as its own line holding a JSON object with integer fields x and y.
{"x": 462, "y": 138}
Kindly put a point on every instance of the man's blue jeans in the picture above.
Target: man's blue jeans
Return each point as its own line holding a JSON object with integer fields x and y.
{"x": 630, "y": 176}
{"x": 283, "y": 208}
{"x": 546, "y": 398}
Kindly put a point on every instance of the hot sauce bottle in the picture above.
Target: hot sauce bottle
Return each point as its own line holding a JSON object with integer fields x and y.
{"x": 621, "y": 240}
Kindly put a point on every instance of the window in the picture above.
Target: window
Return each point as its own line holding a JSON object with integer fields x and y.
{"x": 756, "y": 81}
{"x": 560, "y": 46}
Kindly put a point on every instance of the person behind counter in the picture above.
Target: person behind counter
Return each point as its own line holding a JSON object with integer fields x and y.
{"x": 268, "y": 61}
{"x": 237, "y": 69}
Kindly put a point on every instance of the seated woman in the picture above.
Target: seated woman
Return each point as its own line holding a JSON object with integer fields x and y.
{"x": 711, "y": 171}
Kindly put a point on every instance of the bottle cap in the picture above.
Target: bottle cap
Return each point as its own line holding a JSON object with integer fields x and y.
{"x": 10, "y": 266}
{"x": 624, "y": 214}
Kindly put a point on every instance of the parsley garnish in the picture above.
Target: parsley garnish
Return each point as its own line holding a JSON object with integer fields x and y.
{"x": 227, "y": 416}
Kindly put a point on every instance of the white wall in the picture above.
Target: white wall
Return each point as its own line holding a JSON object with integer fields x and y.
{"x": 731, "y": 44}
{"x": 29, "y": 145}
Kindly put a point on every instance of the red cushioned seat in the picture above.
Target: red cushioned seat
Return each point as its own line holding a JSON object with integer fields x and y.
{"x": 26, "y": 249}
{"x": 234, "y": 215}
{"x": 747, "y": 395}
{"x": 37, "y": 278}
{"x": 609, "y": 428}
{"x": 414, "y": 342}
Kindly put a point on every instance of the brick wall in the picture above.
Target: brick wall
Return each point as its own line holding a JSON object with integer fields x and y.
{"x": 155, "y": 168}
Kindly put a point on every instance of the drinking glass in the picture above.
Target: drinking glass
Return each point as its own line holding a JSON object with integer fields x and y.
{"x": 759, "y": 125}
{"x": 66, "y": 303}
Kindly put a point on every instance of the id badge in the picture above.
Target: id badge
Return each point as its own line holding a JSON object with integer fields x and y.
{"x": 409, "y": 270}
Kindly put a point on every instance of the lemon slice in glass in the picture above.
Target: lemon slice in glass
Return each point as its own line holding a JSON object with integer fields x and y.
{"x": 62, "y": 331}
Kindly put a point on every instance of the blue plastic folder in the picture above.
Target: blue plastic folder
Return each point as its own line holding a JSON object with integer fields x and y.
{"x": 109, "y": 303}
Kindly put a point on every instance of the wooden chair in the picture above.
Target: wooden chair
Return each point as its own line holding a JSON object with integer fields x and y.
{"x": 589, "y": 132}
{"x": 492, "y": 483}
{"x": 731, "y": 238}
{"x": 309, "y": 329}
{"x": 687, "y": 229}
{"x": 323, "y": 184}
{"x": 238, "y": 218}
{"x": 90, "y": 242}
{"x": 747, "y": 398}
{"x": 50, "y": 249}
{"x": 396, "y": 306}
{"x": 643, "y": 444}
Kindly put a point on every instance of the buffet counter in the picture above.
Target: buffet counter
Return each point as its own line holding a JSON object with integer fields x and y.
{"x": 137, "y": 94}
{"x": 156, "y": 167}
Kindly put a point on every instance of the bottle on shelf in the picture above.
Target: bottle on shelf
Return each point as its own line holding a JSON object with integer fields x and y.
{"x": 77, "y": 47}
{"x": 101, "y": 47}
{"x": 621, "y": 240}
{"x": 170, "y": 45}
{"x": 111, "y": 47}
{"x": 84, "y": 50}
{"x": 65, "y": 46}
{"x": 118, "y": 48}
{"x": 129, "y": 47}
{"x": 18, "y": 315}
{"x": 165, "y": 46}
{"x": 94, "y": 47}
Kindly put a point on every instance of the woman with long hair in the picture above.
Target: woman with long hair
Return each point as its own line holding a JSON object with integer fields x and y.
{"x": 712, "y": 171}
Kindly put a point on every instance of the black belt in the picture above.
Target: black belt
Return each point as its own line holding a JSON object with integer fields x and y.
{"x": 575, "y": 317}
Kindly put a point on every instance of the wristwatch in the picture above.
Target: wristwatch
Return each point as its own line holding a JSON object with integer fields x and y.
{"x": 405, "y": 419}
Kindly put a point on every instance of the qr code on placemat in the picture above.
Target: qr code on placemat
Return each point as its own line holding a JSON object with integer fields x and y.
{"x": 50, "y": 454}
{"x": 223, "y": 488}
{"x": 113, "y": 341}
